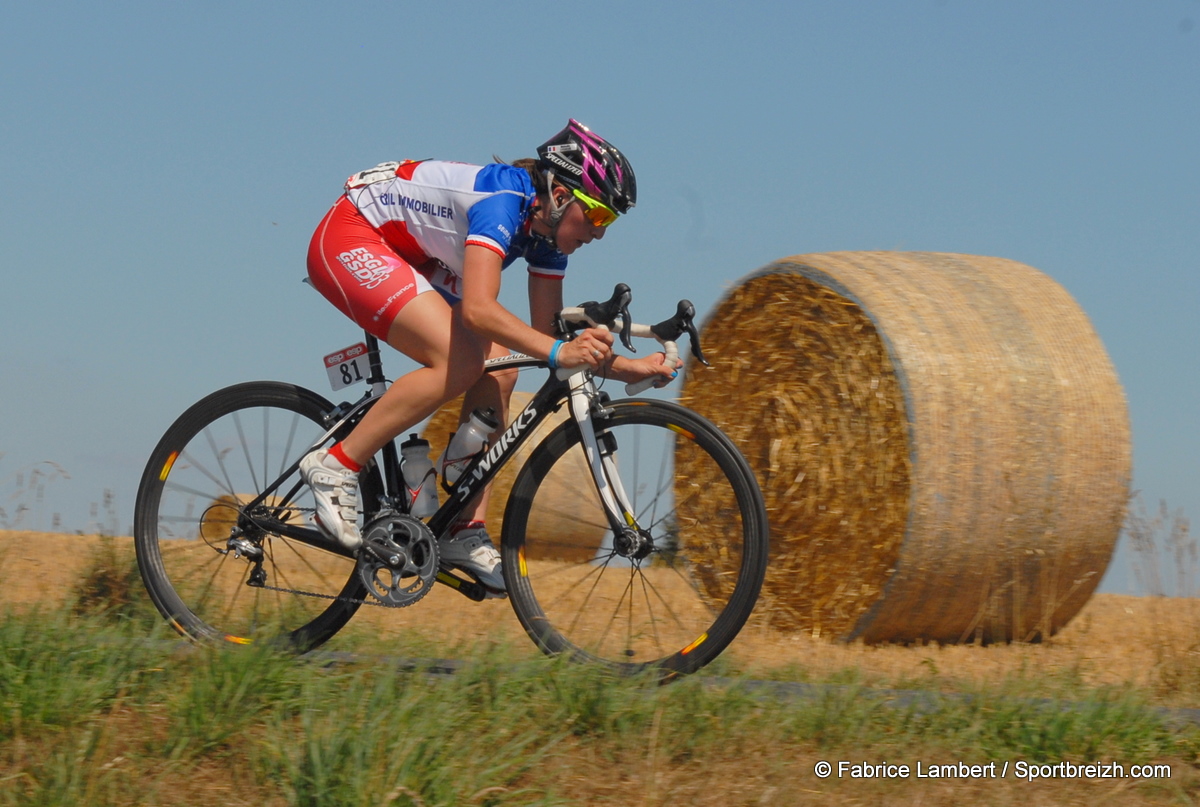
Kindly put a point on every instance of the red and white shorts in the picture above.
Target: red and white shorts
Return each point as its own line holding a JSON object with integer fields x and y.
{"x": 363, "y": 276}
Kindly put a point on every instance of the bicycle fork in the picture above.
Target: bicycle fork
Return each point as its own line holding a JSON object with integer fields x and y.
{"x": 630, "y": 540}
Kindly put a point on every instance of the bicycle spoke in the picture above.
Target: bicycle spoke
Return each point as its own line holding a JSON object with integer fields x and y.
{"x": 219, "y": 455}
{"x": 599, "y": 573}
{"x": 237, "y": 420}
{"x": 266, "y": 431}
{"x": 647, "y": 583}
{"x": 287, "y": 449}
{"x": 197, "y": 465}
{"x": 649, "y": 608}
{"x": 325, "y": 583}
{"x": 612, "y": 619}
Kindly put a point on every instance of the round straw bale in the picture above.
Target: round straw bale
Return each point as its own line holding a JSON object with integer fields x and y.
{"x": 579, "y": 537}
{"x": 941, "y": 439}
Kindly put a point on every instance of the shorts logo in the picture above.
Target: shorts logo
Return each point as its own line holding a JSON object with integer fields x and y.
{"x": 370, "y": 270}
{"x": 393, "y": 299}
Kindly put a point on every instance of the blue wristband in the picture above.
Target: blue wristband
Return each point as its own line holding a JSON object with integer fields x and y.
{"x": 553, "y": 360}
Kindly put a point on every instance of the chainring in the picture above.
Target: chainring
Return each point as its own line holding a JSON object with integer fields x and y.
{"x": 398, "y": 560}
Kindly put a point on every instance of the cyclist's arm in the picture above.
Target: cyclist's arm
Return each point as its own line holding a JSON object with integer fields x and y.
{"x": 483, "y": 314}
{"x": 632, "y": 371}
{"x": 545, "y": 300}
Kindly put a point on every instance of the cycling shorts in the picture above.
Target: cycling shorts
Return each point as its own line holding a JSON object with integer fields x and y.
{"x": 363, "y": 276}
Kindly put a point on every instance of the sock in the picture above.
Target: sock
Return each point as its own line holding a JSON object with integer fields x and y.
{"x": 338, "y": 455}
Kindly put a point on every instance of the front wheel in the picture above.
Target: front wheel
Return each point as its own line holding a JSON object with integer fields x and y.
{"x": 211, "y": 560}
{"x": 675, "y": 595}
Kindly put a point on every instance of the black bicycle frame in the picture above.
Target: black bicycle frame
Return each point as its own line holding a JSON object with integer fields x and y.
{"x": 477, "y": 475}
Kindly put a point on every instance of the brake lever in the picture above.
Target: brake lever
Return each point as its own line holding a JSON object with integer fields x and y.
{"x": 694, "y": 338}
{"x": 606, "y": 313}
{"x": 626, "y": 331}
{"x": 670, "y": 330}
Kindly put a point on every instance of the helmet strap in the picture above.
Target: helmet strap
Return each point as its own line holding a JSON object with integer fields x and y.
{"x": 554, "y": 210}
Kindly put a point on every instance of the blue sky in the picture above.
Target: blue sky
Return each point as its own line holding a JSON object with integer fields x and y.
{"x": 162, "y": 166}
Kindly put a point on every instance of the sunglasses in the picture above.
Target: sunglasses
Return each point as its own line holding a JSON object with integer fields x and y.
{"x": 598, "y": 213}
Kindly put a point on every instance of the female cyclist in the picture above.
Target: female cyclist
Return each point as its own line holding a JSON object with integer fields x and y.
{"x": 413, "y": 253}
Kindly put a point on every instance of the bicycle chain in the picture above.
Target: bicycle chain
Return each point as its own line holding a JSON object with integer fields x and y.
{"x": 328, "y": 596}
{"x": 314, "y": 594}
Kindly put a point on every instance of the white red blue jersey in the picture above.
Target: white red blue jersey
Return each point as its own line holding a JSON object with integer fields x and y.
{"x": 431, "y": 209}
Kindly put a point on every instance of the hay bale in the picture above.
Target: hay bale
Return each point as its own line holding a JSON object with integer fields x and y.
{"x": 941, "y": 439}
{"x": 578, "y": 532}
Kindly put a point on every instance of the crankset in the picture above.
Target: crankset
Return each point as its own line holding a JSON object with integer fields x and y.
{"x": 398, "y": 560}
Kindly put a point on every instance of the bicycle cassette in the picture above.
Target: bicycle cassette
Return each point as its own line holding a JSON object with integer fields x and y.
{"x": 398, "y": 560}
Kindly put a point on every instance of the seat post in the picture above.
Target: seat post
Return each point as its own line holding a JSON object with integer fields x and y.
{"x": 374, "y": 361}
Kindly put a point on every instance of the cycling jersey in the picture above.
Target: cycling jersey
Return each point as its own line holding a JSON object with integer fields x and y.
{"x": 402, "y": 229}
{"x": 433, "y": 209}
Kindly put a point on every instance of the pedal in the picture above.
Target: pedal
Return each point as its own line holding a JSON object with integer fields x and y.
{"x": 469, "y": 588}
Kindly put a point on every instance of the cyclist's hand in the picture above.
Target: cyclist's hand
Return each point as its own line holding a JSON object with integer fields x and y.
{"x": 592, "y": 347}
{"x": 653, "y": 366}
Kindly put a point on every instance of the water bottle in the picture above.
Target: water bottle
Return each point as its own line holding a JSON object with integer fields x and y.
{"x": 420, "y": 480}
{"x": 469, "y": 440}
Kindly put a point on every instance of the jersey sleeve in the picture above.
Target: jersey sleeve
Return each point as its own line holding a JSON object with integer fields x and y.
{"x": 545, "y": 260}
{"x": 498, "y": 215}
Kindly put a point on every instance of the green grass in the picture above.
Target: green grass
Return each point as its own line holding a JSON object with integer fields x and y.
{"x": 101, "y": 705}
{"x": 94, "y": 713}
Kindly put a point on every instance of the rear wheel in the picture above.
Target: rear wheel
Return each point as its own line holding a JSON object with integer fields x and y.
{"x": 670, "y": 594}
{"x": 211, "y": 560}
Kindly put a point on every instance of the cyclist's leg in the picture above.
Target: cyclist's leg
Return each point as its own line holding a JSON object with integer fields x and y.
{"x": 360, "y": 273}
{"x": 491, "y": 391}
{"x": 468, "y": 544}
{"x": 431, "y": 333}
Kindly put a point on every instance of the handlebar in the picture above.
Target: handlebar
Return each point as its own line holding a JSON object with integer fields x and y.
{"x": 614, "y": 313}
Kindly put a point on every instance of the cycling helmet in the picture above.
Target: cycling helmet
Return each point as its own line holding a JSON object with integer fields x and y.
{"x": 580, "y": 160}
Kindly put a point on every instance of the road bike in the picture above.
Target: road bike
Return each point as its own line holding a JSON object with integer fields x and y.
{"x": 634, "y": 535}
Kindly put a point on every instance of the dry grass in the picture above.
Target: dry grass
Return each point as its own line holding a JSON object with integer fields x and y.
{"x": 1149, "y": 643}
{"x": 1115, "y": 641}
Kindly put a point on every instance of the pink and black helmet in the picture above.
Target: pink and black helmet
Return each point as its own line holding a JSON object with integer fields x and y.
{"x": 581, "y": 160}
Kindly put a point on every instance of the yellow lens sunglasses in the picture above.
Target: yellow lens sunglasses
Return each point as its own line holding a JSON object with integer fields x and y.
{"x": 598, "y": 213}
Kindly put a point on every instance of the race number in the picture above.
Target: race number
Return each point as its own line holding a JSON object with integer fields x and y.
{"x": 347, "y": 366}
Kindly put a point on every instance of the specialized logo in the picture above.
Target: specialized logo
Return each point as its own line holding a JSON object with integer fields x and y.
{"x": 494, "y": 453}
{"x": 564, "y": 163}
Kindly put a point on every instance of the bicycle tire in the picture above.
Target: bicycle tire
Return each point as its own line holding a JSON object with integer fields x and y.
{"x": 216, "y": 457}
{"x": 678, "y": 607}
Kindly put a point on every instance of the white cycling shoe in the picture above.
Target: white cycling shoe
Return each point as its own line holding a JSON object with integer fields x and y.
{"x": 336, "y": 494}
{"x": 473, "y": 551}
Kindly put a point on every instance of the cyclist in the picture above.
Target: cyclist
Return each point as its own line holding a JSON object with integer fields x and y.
{"x": 413, "y": 253}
